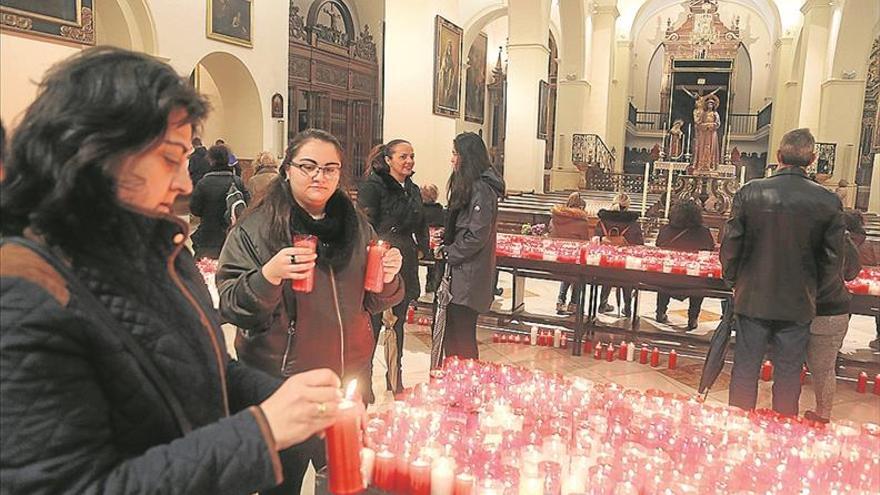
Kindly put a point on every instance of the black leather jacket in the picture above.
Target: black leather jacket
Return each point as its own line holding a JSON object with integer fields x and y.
{"x": 783, "y": 244}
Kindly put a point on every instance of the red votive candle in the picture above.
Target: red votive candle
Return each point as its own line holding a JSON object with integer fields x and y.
{"x": 464, "y": 484}
{"x": 420, "y": 477}
{"x": 862, "y": 384}
{"x": 877, "y": 384}
{"x": 766, "y": 371}
{"x": 622, "y": 351}
{"x": 588, "y": 346}
{"x": 597, "y": 353}
{"x": 496, "y": 338}
{"x": 383, "y": 473}
{"x": 609, "y": 353}
{"x": 673, "y": 359}
{"x": 308, "y": 283}
{"x": 643, "y": 355}
{"x": 411, "y": 315}
{"x": 655, "y": 357}
{"x": 374, "y": 278}
{"x": 401, "y": 476}
{"x": 343, "y": 444}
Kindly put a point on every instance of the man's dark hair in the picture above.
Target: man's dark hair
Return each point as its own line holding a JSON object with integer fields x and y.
{"x": 196, "y": 142}
{"x": 219, "y": 141}
{"x": 92, "y": 112}
{"x": 797, "y": 147}
{"x": 218, "y": 156}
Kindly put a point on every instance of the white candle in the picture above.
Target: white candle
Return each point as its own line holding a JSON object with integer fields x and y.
{"x": 631, "y": 351}
{"x": 531, "y": 485}
{"x": 688, "y": 148}
{"x": 442, "y": 476}
{"x": 368, "y": 459}
{"x": 533, "y": 336}
{"x": 645, "y": 188}
{"x": 742, "y": 175}
{"x": 557, "y": 338}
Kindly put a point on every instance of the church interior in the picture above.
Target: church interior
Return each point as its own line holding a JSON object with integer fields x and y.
{"x": 662, "y": 100}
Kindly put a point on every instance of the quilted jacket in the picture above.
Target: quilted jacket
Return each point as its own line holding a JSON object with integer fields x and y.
{"x": 79, "y": 415}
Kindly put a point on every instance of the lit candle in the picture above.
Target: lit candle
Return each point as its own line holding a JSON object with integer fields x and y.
{"x": 368, "y": 461}
{"x": 343, "y": 445}
{"x": 420, "y": 477}
{"x": 862, "y": 384}
{"x": 655, "y": 357}
{"x": 374, "y": 278}
{"x": 597, "y": 353}
{"x": 609, "y": 354}
{"x": 623, "y": 350}
{"x": 531, "y": 485}
{"x": 673, "y": 359}
{"x": 383, "y": 474}
{"x": 464, "y": 484}
{"x": 766, "y": 371}
{"x": 442, "y": 476}
{"x": 643, "y": 355}
{"x": 305, "y": 285}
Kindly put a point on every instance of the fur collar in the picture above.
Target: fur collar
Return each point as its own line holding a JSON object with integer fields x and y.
{"x": 625, "y": 216}
{"x": 566, "y": 211}
{"x": 336, "y": 232}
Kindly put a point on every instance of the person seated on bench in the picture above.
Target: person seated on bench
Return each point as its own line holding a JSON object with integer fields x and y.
{"x": 569, "y": 221}
{"x": 620, "y": 227}
{"x": 685, "y": 232}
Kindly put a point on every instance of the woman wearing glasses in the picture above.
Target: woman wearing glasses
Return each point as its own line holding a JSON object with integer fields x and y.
{"x": 282, "y": 331}
{"x": 469, "y": 241}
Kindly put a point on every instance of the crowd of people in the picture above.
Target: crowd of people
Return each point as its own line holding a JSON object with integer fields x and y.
{"x": 115, "y": 375}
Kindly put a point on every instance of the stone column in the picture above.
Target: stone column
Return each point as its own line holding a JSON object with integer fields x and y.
{"x": 812, "y": 59}
{"x": 601, "y": 70}
{"x": 618, "y": 114}
{"x": 784, "y": 116}
{"x": 874, "y": 198}
{"x": 529, "y": 28}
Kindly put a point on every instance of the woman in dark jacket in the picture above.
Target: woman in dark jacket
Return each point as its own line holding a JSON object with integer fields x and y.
{"x": 469, "y": 241}
{"x": 113, "y": 369}
{"x": 618, "y": 226}
{"x": 685, "y": 232}
{"x": 208, "y": 202}
{"x": 393, "y": 205}
{"x": 281, "y": 331}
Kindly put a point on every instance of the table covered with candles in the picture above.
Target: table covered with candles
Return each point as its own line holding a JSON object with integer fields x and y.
{"x": 483, "y": 428}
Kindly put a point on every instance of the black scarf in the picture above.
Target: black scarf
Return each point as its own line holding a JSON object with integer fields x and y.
{"x": 336, "y": 232}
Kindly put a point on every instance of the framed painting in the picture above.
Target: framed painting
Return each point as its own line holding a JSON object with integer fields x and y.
{"x": 543, "y": 98}
{"x": 231, "y": 21}
{"x": 475, "y": 84}
{"x": 447, "y": 68}
{"x": 277, "y": 106}
{"x": 825, "y": 157}
{"x": 68, "y": 20}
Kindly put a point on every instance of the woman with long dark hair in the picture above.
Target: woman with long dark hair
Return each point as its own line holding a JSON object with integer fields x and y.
{"x": 208, "y": 202}
{"x": 469, "y": 241}
{"x": 283, "y": 331}
{"x": 393, "y": 205}
{"x": 113, "y": 369}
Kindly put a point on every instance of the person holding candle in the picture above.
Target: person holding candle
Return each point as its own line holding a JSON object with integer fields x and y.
{"x": 685, "y": 232}
{"x": 469, "y": 241}
{"x": 392, "y": 203}
{"x": 283, "y": 331}
{"x": 828, "y": 330}
{"x": 113, "y": 369}
{"x": 782, "y": 245}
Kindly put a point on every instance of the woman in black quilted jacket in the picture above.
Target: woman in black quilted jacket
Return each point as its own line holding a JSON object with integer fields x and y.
{"x": 113, "y": 370}
{"x": 208, "y": 202}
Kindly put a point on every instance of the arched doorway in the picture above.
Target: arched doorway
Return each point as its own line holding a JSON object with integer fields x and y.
{"x": 236, "y": 115}
{"x": 126, "y": 24}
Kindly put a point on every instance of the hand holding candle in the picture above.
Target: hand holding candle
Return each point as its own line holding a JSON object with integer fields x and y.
{"x": 391, "y": 263}
{"x": 293, "y": 263}
{"x": 305, "y": 404}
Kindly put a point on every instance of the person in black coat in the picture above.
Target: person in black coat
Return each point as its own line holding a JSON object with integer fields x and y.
{"x": 393, "y": 205}
{"x": 209, "y": 203}
{"x": 114, "y": 374}
{"x": 198, "y": 161}
{"x": 782, "y": 246}
{"x": 685, "y": 232}
{"x": 618, "y": 226}
{"x": 435, "y": 217}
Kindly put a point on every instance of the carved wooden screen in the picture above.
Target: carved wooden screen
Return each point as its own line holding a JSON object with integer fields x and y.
{"x": 361, "y": 117}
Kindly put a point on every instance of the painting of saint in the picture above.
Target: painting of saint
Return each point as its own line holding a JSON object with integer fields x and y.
{"x": 447, "y": 68}
{"x": 69, "y": 20}
{"x": 475, "y": 85}
{"x": 231, "y": 21}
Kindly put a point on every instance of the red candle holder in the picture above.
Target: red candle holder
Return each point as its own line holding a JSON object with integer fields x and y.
{"x": 643, "y": 355}
{"x": 411, "y": 315}
{"x": 420, "y": 477}
{"x": 496, "y": 338}
{"x": 343, "y": 446}
{"x": 766, "y": 371}
{"x": 862, "y": 384}
{"x": 877, "y": 384}
{"x": 588, "y": 346}
{"x": 464, "y": 484}
{"x": 655, "y": 357}
{"x": 597, "y": 353}
{"x": 305, "y": 285}
{"x": 621, "y": 354}
{"x": 609, "y": 353}
{"x": 383, "y": 472}
{"x": 673, "y": 359}
{"x": 374, "y": 278}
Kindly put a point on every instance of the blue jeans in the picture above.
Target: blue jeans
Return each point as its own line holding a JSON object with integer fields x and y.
{"x": 563, "y": 293}
{"x": 789, "y": 353}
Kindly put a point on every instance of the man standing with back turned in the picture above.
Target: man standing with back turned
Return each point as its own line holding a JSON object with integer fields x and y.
{"x": 784, "y": 241}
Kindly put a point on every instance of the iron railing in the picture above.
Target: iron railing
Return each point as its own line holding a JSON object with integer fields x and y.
{"x": 589, "y": 150}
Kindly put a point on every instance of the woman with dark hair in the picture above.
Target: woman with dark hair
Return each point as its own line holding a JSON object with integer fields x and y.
{"x": 113, "y": 369}
{"x": 392, "y": 203}
{"x": 208, "y": 202}
{"x": 284, "y": 331}
{"x": 469, "y": 241}
{"x": 685, "y": 232}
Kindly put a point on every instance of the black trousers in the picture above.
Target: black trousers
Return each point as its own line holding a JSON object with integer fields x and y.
{"x": 295, "y": 462}
{"x": 461, "y": 332}
{"x": 694, "y": 304}
{"x": 399, "y": 312}
{"x": 606, "y": 293}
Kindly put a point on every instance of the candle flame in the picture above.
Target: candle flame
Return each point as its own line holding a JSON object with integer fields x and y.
{"x": 350, "y": 389}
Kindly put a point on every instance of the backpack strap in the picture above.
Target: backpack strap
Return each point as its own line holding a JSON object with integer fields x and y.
{"x": 604, "y": 230}
{"x": 624, "y": 231}
{"x": 680, "y": 234}
{"x": 93, "y": 307}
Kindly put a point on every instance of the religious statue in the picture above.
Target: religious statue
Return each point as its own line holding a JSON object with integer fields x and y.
{"x": 676, "y": 138}
{"x": 335, "y": 17}
{"x": 707, "y": 121}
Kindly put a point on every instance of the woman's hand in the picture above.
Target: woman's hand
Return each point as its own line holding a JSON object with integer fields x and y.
{"x": 289, "y": 263}
{"x": 305, "y": 404}
{"x": 391, "y": 264}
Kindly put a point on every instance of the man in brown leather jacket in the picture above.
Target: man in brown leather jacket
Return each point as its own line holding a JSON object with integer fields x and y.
{"x": 782, "y": 244}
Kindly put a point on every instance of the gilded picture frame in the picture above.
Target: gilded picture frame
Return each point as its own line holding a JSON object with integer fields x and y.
{"x": 231, "y": 21}
{"x": 66, "y": 20}
{"x": 447, "y": 67}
